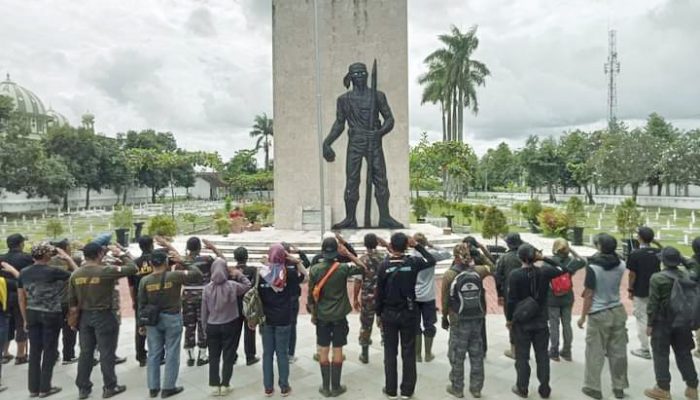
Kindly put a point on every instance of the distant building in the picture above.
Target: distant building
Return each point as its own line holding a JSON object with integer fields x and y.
{"x": 31, "y": 108}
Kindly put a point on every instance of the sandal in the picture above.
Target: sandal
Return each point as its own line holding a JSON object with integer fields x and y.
{"x": 21, "y": 360}
{"x": 7, "y": 358}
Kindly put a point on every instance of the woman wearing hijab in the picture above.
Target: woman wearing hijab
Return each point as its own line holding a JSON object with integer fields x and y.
{"x": 219, "y": 315}
{"x": 277, "y": 305}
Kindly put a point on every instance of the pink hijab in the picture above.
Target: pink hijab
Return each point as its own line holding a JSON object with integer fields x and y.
{"x": 275, "y": 271}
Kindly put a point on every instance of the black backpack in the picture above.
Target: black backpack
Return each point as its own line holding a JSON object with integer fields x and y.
{"x": 684, "y": 303}
{"x": 465, "y": 295}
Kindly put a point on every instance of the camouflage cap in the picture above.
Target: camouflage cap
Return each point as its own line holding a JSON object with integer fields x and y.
{"x": 42, "y": 250}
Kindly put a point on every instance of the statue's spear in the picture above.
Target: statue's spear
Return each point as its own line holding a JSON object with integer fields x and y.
{"x": 370, "y": 144}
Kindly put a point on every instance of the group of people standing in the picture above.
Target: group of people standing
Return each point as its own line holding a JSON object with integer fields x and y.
{"x": 394, "y": 287}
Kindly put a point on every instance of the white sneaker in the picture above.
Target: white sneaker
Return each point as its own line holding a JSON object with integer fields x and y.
{"x": 226, "y": 390}
{"x": 215, "y": 391}
{"x": 292, "y": 359}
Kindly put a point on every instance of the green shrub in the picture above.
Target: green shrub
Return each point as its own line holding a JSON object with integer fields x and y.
{"x": 531, "y": 210}
{"x": 218, "y": 214}
{"x": 190, "y": 218}
{"x": 494, "y": 223}
{"x": 517, "y": 207}
{"x": 257, "y": 212}
{"x": 420, "y": 207}
{"x": 479, "y": 211}
{"x": 123, "y": 217}
{"x": 553, "y": 222}
{"x": 162, "y": 225}
{"x": 574, "y": 210}
{"x": 228, "y": 204}
{"x": 54, "y": 227}
{"x": 628, "y": 217}
{"x": 223, "y": 226}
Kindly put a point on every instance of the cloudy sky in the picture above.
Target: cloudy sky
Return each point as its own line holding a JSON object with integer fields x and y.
{"x": 202, "y": 69}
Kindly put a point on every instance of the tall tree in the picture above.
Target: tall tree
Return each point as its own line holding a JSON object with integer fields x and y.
{"x": 149, "y": 175}
{"x": 262, "y": 129}
{"x": 661, "y": 136}
{"x": 452, "y": 79}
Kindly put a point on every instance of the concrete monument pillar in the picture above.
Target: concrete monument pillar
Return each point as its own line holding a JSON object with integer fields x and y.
{"x": 349, "y": 32}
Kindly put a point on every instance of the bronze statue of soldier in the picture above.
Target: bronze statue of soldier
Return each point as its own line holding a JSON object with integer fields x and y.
{"x": 360, "y": 108}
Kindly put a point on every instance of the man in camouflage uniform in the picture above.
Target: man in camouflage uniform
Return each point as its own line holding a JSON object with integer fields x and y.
{"x": 465, "y": 334}
{"x": 367, "y": 287}
{"x": 192, "y": 298}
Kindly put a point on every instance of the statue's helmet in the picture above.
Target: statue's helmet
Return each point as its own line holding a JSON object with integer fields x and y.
{"x": 352, "y": 69}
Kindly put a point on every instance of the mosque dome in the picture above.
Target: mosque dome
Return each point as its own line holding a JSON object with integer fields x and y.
{"x": 56, "y": 118}
{"x": 26, "y": 103}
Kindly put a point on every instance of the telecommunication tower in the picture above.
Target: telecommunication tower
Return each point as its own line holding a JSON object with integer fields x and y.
{"x": 612, "y": 69}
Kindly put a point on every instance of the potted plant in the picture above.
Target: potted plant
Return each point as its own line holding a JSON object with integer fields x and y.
{"x": 162, "y": 225}
{"x": 574, "y": 213}
{"x": 122, "y": 218}
{"x": 494, "y": 224}
{"x": 420, "y": 209}
{"x": 628, "y": 219}
{"x": 531, "y": 210}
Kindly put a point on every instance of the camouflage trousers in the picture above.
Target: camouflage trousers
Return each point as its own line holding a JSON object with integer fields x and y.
{"x": 192, "y": 319}
{"x": 465, "y": 338}
{"x": 367, "y": 315}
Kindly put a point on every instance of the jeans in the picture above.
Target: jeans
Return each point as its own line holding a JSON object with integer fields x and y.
{"x": 276, "y": 342}
{"x": 98, "y": 329}
{"x": 44, "y": 328}
{"x": 559, "y": 315}
{"x": 664, "y": 337}
{"x": 428, "y": 313}
{"x": 164, "y": 337}
{"x": 606, "y": 337}
{"x": 640, "y": 313}
{"x": 222, "y": 339}
{"x": 400, "y": 324}
{"x": 4, "y": 331}
{"x": 68, "y": 335}
{"x": 533, "y": 335}
{"x": 465, "y": 338}
{"x": 293, "y": 333}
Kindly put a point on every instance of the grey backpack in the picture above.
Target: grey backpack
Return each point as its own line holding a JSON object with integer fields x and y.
{"x": 684, "y": 304}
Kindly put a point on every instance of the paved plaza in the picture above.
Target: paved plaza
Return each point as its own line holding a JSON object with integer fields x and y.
{"x": 363, "y": 381}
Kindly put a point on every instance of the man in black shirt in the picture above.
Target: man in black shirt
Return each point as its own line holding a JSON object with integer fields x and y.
{"x": 525, "y": 285}
{"x": 396, "y": 308}
{"x": 642, "y": 264}
{"x": 20, "y": 260}
{"x": 143, "y": 263}
{"x": 506, "y": 264}
{"x": 240, "y": 254}
{"x": 296, "y": 273}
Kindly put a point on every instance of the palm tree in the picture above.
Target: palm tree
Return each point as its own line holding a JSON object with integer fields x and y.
{"x": 452, "y": 79}
{"x": 262, "y": 129}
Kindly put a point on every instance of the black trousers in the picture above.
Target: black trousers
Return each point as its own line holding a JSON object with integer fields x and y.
{"x": 400, "y": 325}
{"x": 222, "y": 340}
{"x": 293, "y": 333}
{"x": 68, "y": 336}
{"x": 139, "y": 341}
{"x": 44, "y": 328}
{"x": 248, "y": 337}
{"x": 535, "y": 335}
{"x": 98, "y": 330}
{"x": 664, "y": 338}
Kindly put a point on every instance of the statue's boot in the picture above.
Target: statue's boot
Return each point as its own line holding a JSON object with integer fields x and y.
{"x": 385, "y": 219}
{"x": 350, "y": 221}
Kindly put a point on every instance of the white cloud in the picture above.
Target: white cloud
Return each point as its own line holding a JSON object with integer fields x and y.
{"x": 202, "y": 69}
